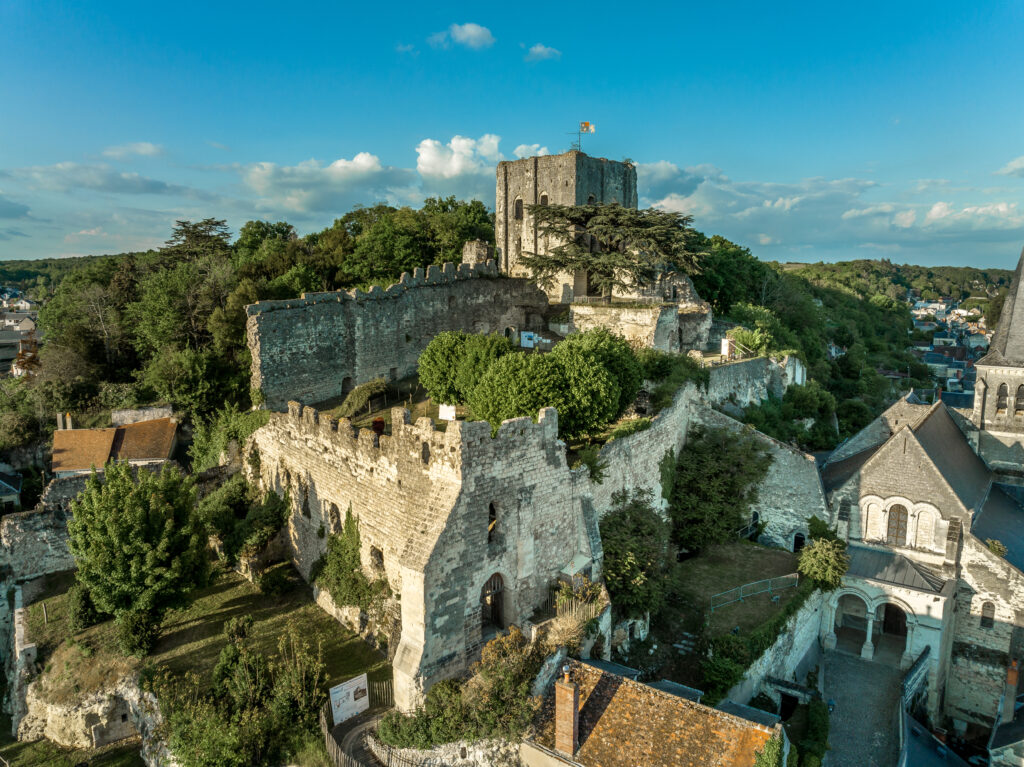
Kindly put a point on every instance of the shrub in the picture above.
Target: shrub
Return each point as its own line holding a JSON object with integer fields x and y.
{"x": 212, "y": 435}
{"x": 244, "y": 523}
{"x": 825, "y": 562}
{"x": 478, "y": 353}
{"x": 716, "y": 481}
{"x": 518, "y": 385}
{"x": 82, "y": 613}
{"x": 614, "y": 354}
{"x": 360, "y": 397}
{"x": 670, "y": 372}
{"x": 438, "y": 365}
{"x": 590, "y": 456}
{"x": 635, "y": 540}
{"x": 274, "y": 581}
{"x": 342, "y": 573}
{"x": 630, "y": 427}
{"x": 771, "y": 754}
{"x": 137, "y": 631}
{"x": 997, "y": 547}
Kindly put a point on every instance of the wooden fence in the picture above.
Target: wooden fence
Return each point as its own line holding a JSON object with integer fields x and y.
{"x": 338, "y": 757}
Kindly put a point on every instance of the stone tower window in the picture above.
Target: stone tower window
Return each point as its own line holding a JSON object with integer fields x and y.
{"x": 543, "y": 199}
{"x": 896, "y": 534}
{"x": 591, "y": 200}
{"x": 492, "y": 522}
{"x": 425, "y": 453}
{"x": 1001, "y": 396}
{"x": 988, "y": 615}
{"x": 1018, "y": 402}
{"x": 517, "y": 209}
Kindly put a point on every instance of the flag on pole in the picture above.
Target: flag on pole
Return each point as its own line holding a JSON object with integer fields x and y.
{"x": 586, "y": 127}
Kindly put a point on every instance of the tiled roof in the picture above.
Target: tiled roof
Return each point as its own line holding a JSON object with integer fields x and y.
{"x": 890, "y": 567}
{"x": 625, "y": 723}
{"x": 81, "y": 449}
{"x": 145, "y": 440}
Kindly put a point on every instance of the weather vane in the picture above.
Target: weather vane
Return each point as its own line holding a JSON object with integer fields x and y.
{"x": 585, "y": 127}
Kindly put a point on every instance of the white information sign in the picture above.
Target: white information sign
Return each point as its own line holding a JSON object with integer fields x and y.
{"x": 527, "y": 339}
{"x": 350, "y": 698}
{"x": 446, "y": 412}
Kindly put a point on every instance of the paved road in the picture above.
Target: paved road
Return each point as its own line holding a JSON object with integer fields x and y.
{"x": 863, "y": 730}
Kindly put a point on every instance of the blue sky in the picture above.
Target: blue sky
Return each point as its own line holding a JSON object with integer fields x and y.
{"x": 811, "y": 131}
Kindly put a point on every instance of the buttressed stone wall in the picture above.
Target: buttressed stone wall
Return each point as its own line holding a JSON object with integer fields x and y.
{"x": 320, "y": 346}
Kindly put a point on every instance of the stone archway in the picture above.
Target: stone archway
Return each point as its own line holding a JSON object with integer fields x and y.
{"x": 492, "y": 606}
{"x": 891, "y": 636}
{"x": 852, "y": 625}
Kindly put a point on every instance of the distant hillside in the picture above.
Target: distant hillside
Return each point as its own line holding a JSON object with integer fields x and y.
{"x": 44, "y": 274}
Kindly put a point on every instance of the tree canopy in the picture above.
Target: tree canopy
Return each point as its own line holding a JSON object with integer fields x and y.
{"x": 619, "y": 248}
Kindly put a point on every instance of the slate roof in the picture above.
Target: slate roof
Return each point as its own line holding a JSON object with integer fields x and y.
{"x": 890, "y": 567}
{"x": 625, "y": 723}
{"x": 749, "y": 713}
{"x": 949, "y": 450}
{"x": 1010, "y": 732}
{"x": 10, "y": 483}
{"x": 81, "y": 449}
{"x": 834, "y": 475}
{"x": 1007, "y": 347}
{"x": 1002, "y": 518}
{"x": 679, "y": 690}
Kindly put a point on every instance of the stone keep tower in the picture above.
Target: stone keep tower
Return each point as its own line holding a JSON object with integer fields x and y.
{"x": 999, "y": 392}
{"x": 572, "y": 178}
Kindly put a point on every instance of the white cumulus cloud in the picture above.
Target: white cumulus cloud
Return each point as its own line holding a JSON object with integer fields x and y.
{"x": 469, "y": 35}
{"x": 1013, "y": 168}
{"x": 138, "y": 148}
{"x": 540, "y": 52}
{"x": 530, "y": 150}
{"x": 458, "y": 157}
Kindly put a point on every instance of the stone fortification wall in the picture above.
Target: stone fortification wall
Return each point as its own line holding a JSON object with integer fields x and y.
{"x": 747, "y": 382}
{"x": 794, "y": 653}
{"x": 668, "y": 327}
{"x": 134, "y": 415}
{"x": 791, "y": 491}
{"x": 318, "y": 347}
{"x": 980, "y": 655}
{"x": 34, "y": 543}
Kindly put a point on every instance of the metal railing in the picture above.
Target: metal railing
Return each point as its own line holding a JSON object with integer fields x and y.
{"x": 769, "y": 586}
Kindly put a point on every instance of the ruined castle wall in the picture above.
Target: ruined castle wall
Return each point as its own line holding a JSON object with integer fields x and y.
{"x": 981, "y": 655}
{"x": 318, "y": 347}
{"x": 634, "y": 462}
{"x": 746, "y": 382}
{"x": 790, "y": 492}
{"x": 34, "y": 543}
{"x": 644, "y": 325}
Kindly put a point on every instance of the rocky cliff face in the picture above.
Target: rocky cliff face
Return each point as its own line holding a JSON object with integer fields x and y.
{"x": 107, "y": 715}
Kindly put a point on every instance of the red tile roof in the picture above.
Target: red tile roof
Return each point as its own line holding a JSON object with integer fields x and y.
{"x": 82, "y": 449}
{"x": 625, "y": 723}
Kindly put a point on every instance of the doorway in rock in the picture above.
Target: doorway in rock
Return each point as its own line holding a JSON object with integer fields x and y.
{"x": 787, "y": 706}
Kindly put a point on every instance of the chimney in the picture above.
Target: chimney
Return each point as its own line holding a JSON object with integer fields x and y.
{"x": 567, "y": 714}
{"x": 60, "y": 422}
{"x": 68, "y": 421}
{"x": 1010, "y": 693}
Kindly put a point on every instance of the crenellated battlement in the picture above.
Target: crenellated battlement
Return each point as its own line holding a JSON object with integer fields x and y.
{"x": 445, "y": 274}
{"x": 460, "y": 440}
{"x": 318, "y": 347}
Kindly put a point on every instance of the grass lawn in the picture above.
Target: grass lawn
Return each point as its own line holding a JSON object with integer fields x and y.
{"x": 720, "y": 568}
{"x": 191, "y": 638}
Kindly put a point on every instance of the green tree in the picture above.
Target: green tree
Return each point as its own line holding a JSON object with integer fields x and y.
{"x": 182, "y": 378}
{"x": 393, "y": 244}
{"x": 478, "y": 353}
{"x": 438, "y": 366}
{"x": 824, "y": 561}
{"x": 716, "y": 480}
{"x": 138, "y": 543}
{"x": 617, "y": 357}
{"x": 635, "y": 540}
{"x": 453, "y": 222}
{"x": 618, "y": 248}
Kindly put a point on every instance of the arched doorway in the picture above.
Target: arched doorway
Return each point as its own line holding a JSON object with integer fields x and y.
{"x": 798, "y": 542}
{"x": 492, "y": 606}
{"x": 851, "y": 625}
{"x": 891, "y": 640}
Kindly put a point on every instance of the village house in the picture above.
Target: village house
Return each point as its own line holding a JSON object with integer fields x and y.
{"x": 80, "y": 451}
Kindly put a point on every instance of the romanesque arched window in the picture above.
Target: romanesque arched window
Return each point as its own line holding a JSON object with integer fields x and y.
{"x": 988, "y": 615}
{"x": 896, "y": 534}
{"x": 543, "y": 199}
{"x": 1001, "y": 395}
{"x": 1018, "y": 402}
{"x": 591, "y": 200}
{"x": 517, "y": 209}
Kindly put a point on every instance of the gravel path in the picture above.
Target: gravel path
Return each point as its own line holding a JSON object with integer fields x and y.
{"x": 863, "y": 730}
